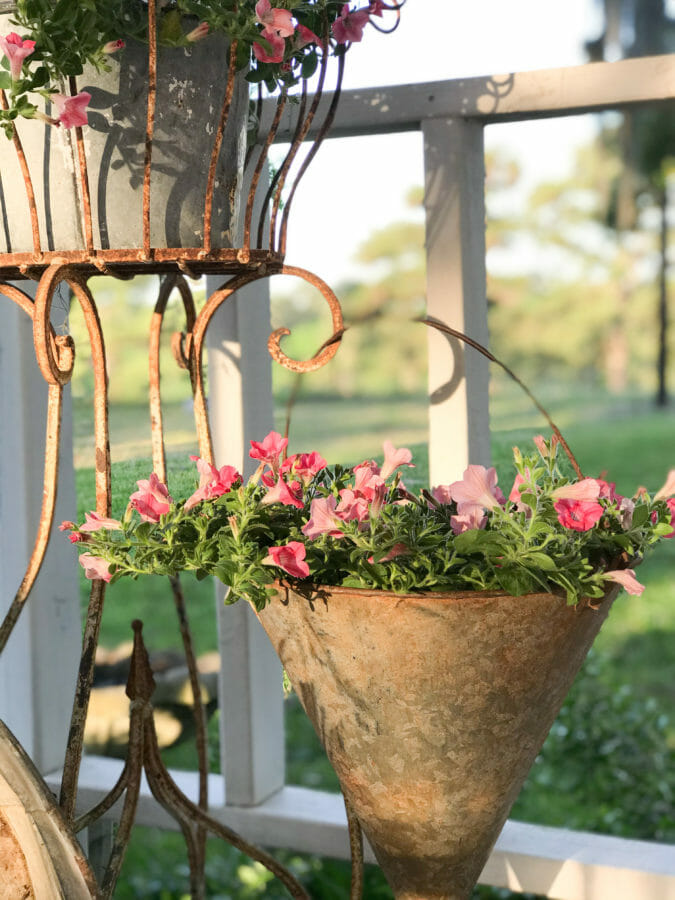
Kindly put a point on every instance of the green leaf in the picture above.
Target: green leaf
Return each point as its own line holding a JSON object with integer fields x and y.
{"x": 541, "y": 560}
{"x": 640, "y": 515}
{"x": 5, "y": 81}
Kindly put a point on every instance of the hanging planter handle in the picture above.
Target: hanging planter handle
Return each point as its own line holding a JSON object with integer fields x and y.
{"x": 453, "y": 332}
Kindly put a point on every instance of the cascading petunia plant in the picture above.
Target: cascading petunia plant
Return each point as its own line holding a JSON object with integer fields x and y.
{"x": 278, "y": 44}
{"x": 296, "y": 519}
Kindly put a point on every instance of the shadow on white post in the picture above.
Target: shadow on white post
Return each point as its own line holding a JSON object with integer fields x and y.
{"x": 38, "y": 667}
{"x": 250, "y": 686}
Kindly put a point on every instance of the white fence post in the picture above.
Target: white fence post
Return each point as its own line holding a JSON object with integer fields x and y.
{"x": 250, "y": 684}
{"x": 39, "y": 665}
{"x": 454, "y": 202}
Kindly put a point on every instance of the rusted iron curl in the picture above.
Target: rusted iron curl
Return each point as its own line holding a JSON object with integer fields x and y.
{"x": 143, "y": 756}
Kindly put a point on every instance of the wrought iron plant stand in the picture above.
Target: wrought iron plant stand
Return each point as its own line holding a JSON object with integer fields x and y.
{"x": 260, "y": 254}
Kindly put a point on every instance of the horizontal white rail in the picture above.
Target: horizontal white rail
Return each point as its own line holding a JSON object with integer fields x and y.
{"x": 496, "y": 98}
{"x": 561, "y": 864}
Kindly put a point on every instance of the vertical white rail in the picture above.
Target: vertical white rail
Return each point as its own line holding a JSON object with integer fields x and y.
{"x": 250, "y": 684}
{"x": 454, "y": 203}
{"x": 39, "y": 665}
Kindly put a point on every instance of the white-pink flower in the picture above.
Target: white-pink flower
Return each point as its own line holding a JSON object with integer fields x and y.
{"x": 274, "y": 19}
{"x": 16, "y": 50}
{"x": 152, "y": 499}
{"x": 626, "y": 578}
{"x": 471, "y": 520}
{"x": 323, "y": 518}
{"x": 348, "y": 28}
{"x": 94, "y": 522}
{"x": 94, "y": 567}
{"x": 668, "y": 489}
{"x": 478, "y": 487}
{"x": 394, "y": 458}
{"x": 586, "y": 489}
{"x": 72, "y": 111}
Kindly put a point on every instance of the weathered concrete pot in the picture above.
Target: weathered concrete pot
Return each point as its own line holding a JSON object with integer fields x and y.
{"x": 191, "y": 86}
{"x": 431, "y": 708}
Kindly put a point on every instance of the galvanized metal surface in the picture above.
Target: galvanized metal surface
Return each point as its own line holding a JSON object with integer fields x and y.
{"x": 431, "y": 709}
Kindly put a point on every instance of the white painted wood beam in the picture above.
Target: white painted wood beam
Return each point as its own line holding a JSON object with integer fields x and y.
{"x": 496, "y": 98}
{"x": 555, "y": 862}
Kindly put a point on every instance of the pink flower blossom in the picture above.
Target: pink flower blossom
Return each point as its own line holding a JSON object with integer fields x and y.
{"x": 113, "y": 46}
{"x": 305, "y": 36}
{"x": 323, "y": 518}
{"x": 278, "y": 21}
{"x": 72, "y": 111}
{"x": 269, "y": 450}
{"x": 375, "y": 8}
{"x": 94, "y": 567}
{"x": 478, "y": 487}
{"x": 668, "y": 489}
{"x": 367, "y": 482}
{"x": 93, "y": 522}
{"x": 671, "y": 506}
{"x": 151, "y": 500}
{"x": 442, "y": 494}
{"x": 76, "y": 537}
{"x": 288, "y": 494}
{"x": 626, "y": 578}
{"x": 352, "y": 506}
{"x": 578, "y": 515}
{"x": 304, "y": 465}
{"x": 277, "y": 47}
{"x": 349, "y": 27}
{"x": 67, "y": 525}
{"x": 212, "y": 482}
{"x": 289, "y": 557}
{"x": 586, "y": 489}
{"x": 16, "y": 50}
{"x": 399, "y": 549}
{"x": 198, "y": 33}
{"x": 394, "y": 458}
{"x": 471, "y": 520}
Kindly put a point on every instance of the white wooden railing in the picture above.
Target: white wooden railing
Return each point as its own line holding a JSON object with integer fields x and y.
{"x": 253, "y": 797}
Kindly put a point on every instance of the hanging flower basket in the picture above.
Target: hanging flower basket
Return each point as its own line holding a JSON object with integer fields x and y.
{"x": 431, "y": 708}
{"x": 191, "y": 88}
{"x": 128, "y": 125}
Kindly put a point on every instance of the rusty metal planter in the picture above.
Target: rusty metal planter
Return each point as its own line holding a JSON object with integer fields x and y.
{"x": 431, "y": 708}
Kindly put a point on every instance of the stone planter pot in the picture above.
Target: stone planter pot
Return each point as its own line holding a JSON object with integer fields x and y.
{"x": 432, "y": 709}
{"x": 191, "y": 87}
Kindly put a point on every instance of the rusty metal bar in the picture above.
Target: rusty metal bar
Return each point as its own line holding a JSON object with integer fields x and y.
{"x": 150, "y": 126}
{"x": 27, "y": 180}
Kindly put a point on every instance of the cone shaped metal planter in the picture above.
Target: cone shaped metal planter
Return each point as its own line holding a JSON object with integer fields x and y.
{"x": 431, "y": 708}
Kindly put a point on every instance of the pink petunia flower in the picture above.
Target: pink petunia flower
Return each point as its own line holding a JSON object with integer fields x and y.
{"x": 348, "y": 28}
{"x": 394, "y": 458}
{"x": 269, "y": 450}
{"x": 289, "y": 557}
{"x": 304, "y": 465}
{"x": 213, "y": 482}
{"x": 376, "y": 7}
{"x": 442, "y": 494}
{"x": 94, "y": 567}
{"x": 66, "y": 525}
{"x": 305, "y": 36}
{"x": 151, "y": 500}
{"x": 278, "y": 21}
{"x": 72, "y": 111}
{"x": 93, "y": 522}
{"x": 471, "y": 520}
{"x": 323, "y": 518}
{"x": 277, "y": 48}
{"x": 626, "y": 578}
{"x": 198, "y": 33}
{"x": 287, "y": 494}
{"x": 668, "y": 489}
{"x": 16, "y": 50}
{"x": 586, "y": 489}
{"x": 578, "y": 515}
{"x": 671, "y": 506}
{"x": 76, "y": 537}
{"x": 352, "y": 507}
{"x": 367, "y": 482}
{"x": 113, "y": 46}
{"x": 478, "y": 487}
